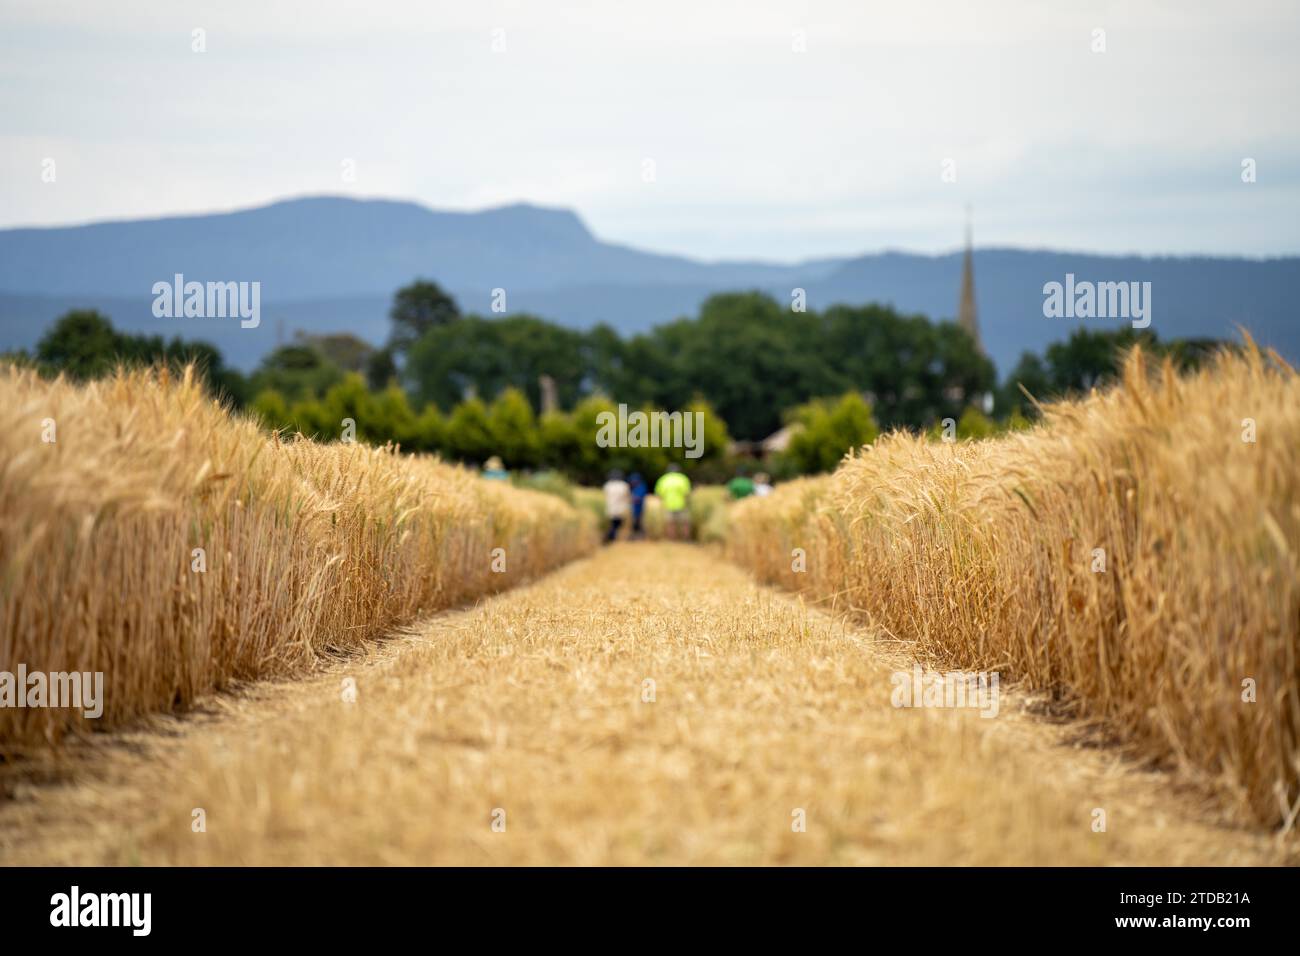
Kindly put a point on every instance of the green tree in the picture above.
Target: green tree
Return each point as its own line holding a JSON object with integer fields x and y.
{"x": 915, "y": 371}
{"x": 418, "y": 308}
{"x": 1088, "y": 359}
{"x": 81, "y": 344}
{"x": 649, "y": 460}
{"x": 974, "y": 424}
{"x": 751, "y": 357}
{"x": 748, "y": 356}
{"x": 298, "y": 372}
{"x": 830, "y": 428}
{"x": 590, "y": 461}
{"x": 487, "y": 356}
{"x": 1030, "y": 375}
{"x": 713, "y": 442}
{"x": 431, "y": 431}
{"x": 310, "y": 417}
{"x": 469, "y": 433}
{"x": 344, "y": 349}
{"x": 559, "y": 441}
{"x": 381, "y": 368}
{"x": 394, "y": 421}
{"x": 514, "y": 429}
{"x": 326, "y": 419}
{"x": 272, "y": 410}
{"x": 1091, "y": 359}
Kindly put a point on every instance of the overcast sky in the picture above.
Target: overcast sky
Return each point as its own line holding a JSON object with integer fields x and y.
{"x": 758, "y": 150}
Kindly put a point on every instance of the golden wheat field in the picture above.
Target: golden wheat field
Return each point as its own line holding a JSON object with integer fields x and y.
{"x": 1137, "y": 555}
{"x": 647, "y": 705}
{"x": 1128, "y": 567}
{"x": 305, "y": 548}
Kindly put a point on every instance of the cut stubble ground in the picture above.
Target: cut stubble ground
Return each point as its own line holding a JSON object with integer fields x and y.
{"x": 532, "y": 703}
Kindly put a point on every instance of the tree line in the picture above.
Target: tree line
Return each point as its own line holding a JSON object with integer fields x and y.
{"x": 530, "y": 390}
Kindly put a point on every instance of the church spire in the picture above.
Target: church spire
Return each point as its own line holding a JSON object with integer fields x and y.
{"x": 966, "y": 316}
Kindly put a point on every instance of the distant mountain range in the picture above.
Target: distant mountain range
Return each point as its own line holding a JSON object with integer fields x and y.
{"x": 331, "y": 264}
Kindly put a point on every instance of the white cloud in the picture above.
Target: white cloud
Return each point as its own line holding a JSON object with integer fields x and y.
{"x": 759, "y": 150}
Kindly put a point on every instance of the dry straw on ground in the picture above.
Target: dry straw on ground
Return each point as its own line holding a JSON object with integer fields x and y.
{"x": 310, "y": 548}
{"x": 649, "y": 705}
{"x": 983, "y": 553}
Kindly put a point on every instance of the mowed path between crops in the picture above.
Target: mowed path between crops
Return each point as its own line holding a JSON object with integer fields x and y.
{"x": 532, "y": 704}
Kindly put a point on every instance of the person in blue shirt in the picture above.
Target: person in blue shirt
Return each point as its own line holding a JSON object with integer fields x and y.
{"x": 639, "y": 492}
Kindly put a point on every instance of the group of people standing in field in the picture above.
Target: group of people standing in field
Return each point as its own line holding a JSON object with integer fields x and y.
{"x": 625, "y": 500}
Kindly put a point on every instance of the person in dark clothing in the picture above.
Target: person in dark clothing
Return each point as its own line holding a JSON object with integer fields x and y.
{"x": 639, "y": 492}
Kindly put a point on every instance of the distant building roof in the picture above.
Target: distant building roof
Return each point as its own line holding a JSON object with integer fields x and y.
{"x": 779, "y": 441}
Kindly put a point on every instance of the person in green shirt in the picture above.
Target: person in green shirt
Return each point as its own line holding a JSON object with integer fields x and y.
{"x": 740, "y": 487}
{"x": 673, "y": 489}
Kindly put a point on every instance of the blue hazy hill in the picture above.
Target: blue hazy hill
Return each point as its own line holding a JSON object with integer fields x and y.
{"x": 330, "y": 264}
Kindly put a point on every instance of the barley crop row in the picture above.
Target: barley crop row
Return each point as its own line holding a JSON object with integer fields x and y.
{"x": 1136, "y": 556}
{"x": 307, "y": 549}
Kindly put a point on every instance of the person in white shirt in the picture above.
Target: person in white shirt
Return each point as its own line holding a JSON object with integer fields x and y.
{"x": 762, "y": 485}
{"x": 618, "y": 503}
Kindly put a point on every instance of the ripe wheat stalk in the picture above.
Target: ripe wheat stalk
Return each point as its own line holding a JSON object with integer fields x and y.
{"x": 985, "y": 554}
{"x": 309, "y": 548}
